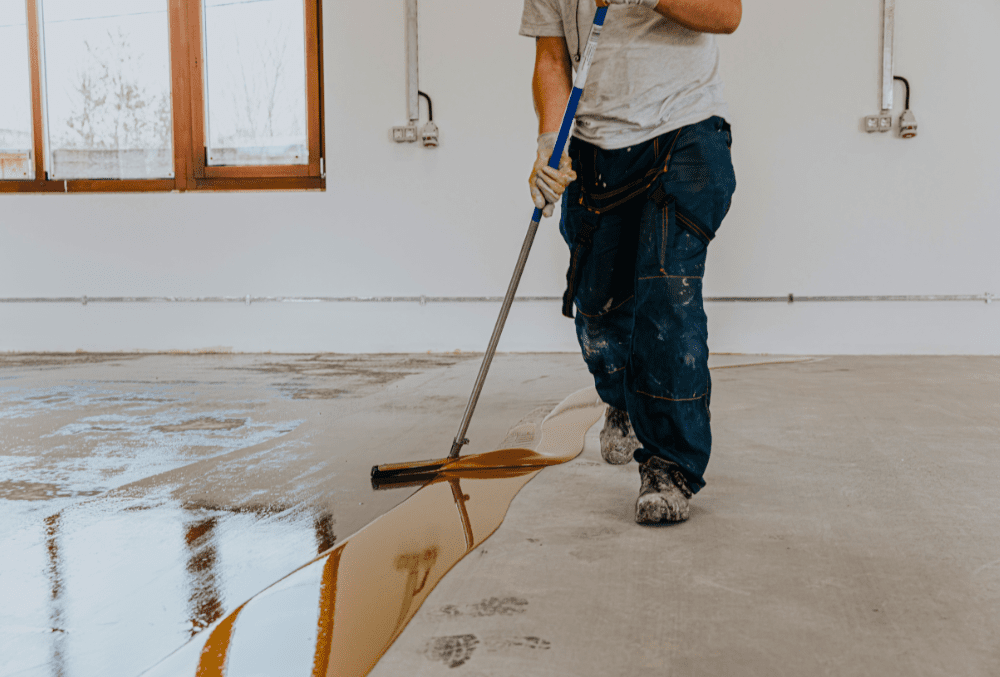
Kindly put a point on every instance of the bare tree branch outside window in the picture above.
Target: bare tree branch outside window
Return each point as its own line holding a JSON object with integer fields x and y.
{"x": 115, "y": 110}
{"x": 257, "y": 91}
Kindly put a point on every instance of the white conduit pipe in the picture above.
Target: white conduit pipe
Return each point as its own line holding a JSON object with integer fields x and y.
{"x": 888, "y": 32}
{"x": 412, "y": 69}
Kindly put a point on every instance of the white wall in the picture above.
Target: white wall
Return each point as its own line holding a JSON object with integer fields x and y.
{"x": 821, "y": 208}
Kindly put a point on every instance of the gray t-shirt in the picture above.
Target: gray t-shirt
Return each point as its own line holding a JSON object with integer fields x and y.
{"x": 649, "y": 76}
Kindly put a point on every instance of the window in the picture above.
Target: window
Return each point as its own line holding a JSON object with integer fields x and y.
{"x": 15, "y": 102}
{"x": 107, "y": 89}
{"x": 160, "y": 95}
{"x": 255, "y": 88}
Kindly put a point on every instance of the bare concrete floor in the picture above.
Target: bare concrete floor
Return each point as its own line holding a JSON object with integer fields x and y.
{"x": 849, "y": 525}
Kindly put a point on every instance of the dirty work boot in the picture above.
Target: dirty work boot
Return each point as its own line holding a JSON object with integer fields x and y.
{"x": 618, "y": 440}
{"x": 664, "y": 494}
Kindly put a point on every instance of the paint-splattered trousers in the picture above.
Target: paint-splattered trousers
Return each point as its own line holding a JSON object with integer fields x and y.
{"x": 639, "y": 221}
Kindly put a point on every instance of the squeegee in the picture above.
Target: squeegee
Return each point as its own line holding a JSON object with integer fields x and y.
{"x": 382, "y": 474}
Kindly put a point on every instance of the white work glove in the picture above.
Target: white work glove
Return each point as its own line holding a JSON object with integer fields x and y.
{"x": 547, "y": 184}
{"x": 651, "y": 4}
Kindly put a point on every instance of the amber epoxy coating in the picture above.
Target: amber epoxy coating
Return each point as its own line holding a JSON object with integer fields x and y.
{"x": 368, "y": 587}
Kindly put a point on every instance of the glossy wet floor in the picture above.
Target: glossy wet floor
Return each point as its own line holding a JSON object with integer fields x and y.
{"x": 848, "y": 526}
{"x": 143, "y": 497}
{"x": 367, "y": 588}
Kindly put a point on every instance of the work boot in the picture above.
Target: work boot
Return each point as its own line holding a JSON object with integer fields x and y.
{"x": 618, "y": 440}
{"x": 664, "y": 494}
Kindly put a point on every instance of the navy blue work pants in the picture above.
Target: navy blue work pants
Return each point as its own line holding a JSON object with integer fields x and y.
{"x": 638, "y": 222}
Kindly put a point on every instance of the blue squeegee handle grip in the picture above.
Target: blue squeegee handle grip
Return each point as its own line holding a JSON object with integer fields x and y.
{"x": 574, "y": 97}
{"x": 567, "y": 124}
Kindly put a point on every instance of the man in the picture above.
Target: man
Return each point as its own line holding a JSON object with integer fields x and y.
{"x": 647, "y": 180}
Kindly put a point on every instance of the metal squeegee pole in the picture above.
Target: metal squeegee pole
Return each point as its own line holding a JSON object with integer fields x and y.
{"x": 522, "y": 259}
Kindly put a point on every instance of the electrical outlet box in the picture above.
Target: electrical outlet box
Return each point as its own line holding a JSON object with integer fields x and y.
{"x": 407, "y": 134}
{"x": 884, "y": 123}
{"x": 871, "y": 123}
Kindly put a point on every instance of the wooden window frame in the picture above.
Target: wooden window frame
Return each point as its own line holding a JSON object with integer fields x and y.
{"x": 187, "y": 101}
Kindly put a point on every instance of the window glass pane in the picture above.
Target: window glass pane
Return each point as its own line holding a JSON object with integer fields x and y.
{"x": 15, "y": 93}
{"x": 255, "y": 82}
{"x": 107, "y": 85}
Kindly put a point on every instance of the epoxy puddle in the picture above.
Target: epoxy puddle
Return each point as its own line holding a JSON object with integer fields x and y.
{"x": 339, "y": 613}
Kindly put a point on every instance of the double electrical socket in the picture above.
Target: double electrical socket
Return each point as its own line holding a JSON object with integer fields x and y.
{"x": 878, "y": 123}
{"x": 407, "y": 134}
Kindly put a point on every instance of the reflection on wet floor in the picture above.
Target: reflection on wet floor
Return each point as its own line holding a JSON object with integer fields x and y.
{"x": 204, "y": 601}
{"x": 72, "y": 579}
{"x": 136, "y": 584}
{"x": 55, "y": 594}
{"x": 205, "y": 569}
{"x": 340, "y": 612}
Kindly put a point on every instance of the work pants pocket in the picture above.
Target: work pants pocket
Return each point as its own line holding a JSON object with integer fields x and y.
{"x": 668, "y": 245}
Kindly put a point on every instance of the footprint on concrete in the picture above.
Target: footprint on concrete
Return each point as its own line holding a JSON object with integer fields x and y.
{"x": 499, "y": 606}
{"x": 529, "y": 642}
{"x": 534, "y": 643}
{"x": 452, "y": 651}
{"x": 494, "y": 606}
{"x": 589, "y": 533}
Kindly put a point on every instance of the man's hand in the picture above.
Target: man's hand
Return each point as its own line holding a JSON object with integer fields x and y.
{"x": 547, "y": 185}
{"x": 704, "y": 16}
